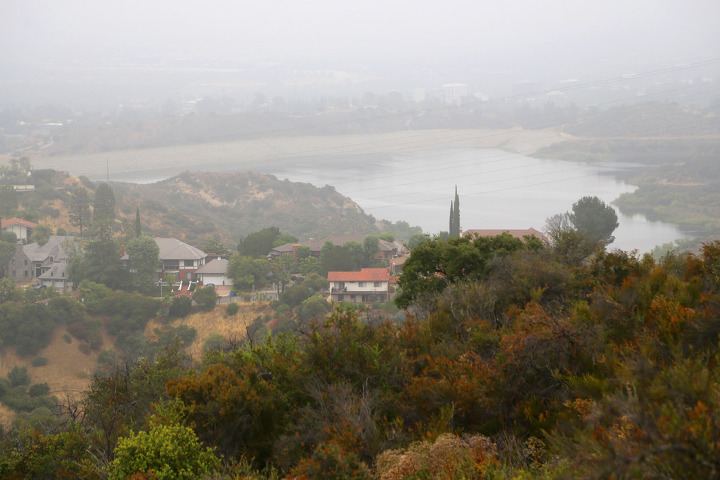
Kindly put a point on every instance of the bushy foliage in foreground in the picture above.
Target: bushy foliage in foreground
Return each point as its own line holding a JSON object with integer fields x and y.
{"x": 535, "y": 370}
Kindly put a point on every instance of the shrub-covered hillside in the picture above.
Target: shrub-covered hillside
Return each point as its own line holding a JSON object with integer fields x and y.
{"x": 532, "y": 369}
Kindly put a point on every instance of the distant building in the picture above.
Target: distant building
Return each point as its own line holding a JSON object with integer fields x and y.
{"x": 454, "y": 93}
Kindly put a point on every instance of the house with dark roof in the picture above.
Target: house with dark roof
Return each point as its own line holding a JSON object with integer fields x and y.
{"x": 57, "y": 277}
{"x": 366, "y": 286}
{"x": 43, "y": 257}
{"x": 176, "y": 257}
{"x": 21, "y": 228}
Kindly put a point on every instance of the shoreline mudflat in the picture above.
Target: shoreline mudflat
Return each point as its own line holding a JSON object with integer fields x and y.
{"x": 150, "y": 164}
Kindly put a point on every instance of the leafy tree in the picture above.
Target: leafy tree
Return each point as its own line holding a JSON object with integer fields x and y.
{"x": 79, "y": 208}
{"x": 294, "y": 296}
{"x": 416, "y": 239}
{"x": 7, "y": 250}
{"x": 434, "y": 264}
{"x": 41, "y": 234}
{"x": 315, "y": 282}
{"x": 180, "y": 306}
{"x": 371, "y": 246}
{"x": 594, "y": 219}
{"x": 248, "y": 272}
{"x": 313, "y": 307}
{"x": 216, "y": 246}
{"x": 258, "y": 244}
{"x": 284, "y": 238}
{"x": 99, "y": 261}
{"x": 205, "y": 297}
{"x": 309, "y": 265}
{"x": 8, "y": 201}
{"x": 144, "y": 254}
{"x": 104, "y": 210}
{"x": 387, "y": 236}
{"x": 303, "y": 252}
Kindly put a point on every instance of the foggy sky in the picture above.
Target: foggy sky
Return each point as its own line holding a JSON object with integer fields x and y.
{"x": 527, "y": 36}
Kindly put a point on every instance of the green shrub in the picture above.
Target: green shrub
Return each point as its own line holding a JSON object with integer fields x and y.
{"x": 39, "y": 362}
{"x": 18, "y": 376}
{"x": 180, "y": 306}
{"x": 67, "y": 338}
{"x": 170, "y": 452}
{"x": 206, "y": 298}
{"x": 168, "y": 334}
{"x": 107, "y": 357}
{"x": 214, "y": 341}
{"x": 39, "y": 389}
{"x": 232, "y": 309}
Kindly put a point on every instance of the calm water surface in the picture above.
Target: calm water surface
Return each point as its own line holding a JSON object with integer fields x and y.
{"x": 497, "y": 190}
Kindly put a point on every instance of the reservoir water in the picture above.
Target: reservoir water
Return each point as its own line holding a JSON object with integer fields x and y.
{"x": 497, "y": 190}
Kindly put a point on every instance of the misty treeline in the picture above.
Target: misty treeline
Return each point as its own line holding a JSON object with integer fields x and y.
{"x": 531, "y": 367}
{"x": 220, "y": 119}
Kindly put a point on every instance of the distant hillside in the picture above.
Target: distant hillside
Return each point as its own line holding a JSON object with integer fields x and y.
{"x": 194, "y": 206}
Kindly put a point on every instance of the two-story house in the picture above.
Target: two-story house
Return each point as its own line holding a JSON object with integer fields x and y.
{"x": 177, "y": 258}
{"x": 366, "y": 286}
{"x": 21, "y": 228}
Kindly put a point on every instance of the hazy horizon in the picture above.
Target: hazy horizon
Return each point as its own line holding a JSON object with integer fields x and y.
{"x": 62, "y": 52}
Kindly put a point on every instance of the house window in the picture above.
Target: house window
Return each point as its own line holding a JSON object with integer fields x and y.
{"x": 13, "y": 261}
{"x": 361, "y": 284}
{"x": 378, "y": 284}
{"x": 25, "y": 261}
{"x": 341, "y": 298}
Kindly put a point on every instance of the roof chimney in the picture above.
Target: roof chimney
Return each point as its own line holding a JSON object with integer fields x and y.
{"x": 295, "y": 247}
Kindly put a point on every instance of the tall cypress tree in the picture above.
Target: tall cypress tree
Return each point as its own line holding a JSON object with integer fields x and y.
{"x": 138, "y": 229}
{"x": 455, "y": 216}
{"x": 456, "y": 212}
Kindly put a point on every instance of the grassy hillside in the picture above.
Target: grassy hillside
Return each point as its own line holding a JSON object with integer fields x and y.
{"x": 198, "y": 206}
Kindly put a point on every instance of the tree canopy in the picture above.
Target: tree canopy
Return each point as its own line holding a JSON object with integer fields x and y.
{"x": 144, "y": 255}
{"x": 596, "y": 220}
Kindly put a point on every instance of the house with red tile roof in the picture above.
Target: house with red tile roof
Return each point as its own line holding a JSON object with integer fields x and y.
{"x": 517, "y": 233}
{"x": 366, "y": 286}
{"x": 21, "y": 228}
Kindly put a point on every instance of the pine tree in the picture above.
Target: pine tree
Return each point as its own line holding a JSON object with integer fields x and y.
{"x": 104, "y": 210}
{"x": 79, "y": 209}
{"x": 138, "y": 229}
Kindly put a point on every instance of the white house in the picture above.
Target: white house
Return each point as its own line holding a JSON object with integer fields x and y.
{"x": 21, "y": 228}
{"x": 366, "y": 286}
{"x": 214, "y": 272}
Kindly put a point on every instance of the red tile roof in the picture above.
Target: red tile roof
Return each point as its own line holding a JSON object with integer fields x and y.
{"x": 6, "y": 222}
{"x": 364, "y": 275}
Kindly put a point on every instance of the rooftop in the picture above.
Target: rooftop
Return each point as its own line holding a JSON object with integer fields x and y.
{"x": 364, "y": 275}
